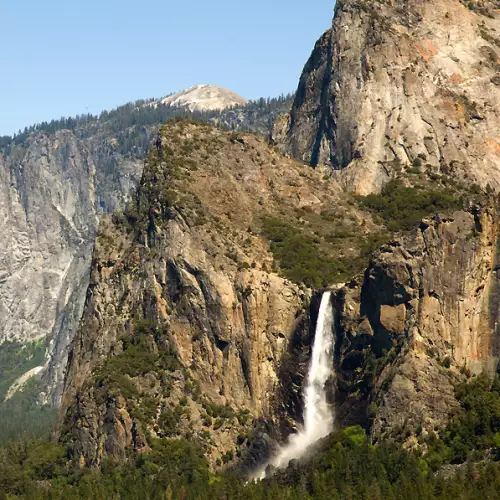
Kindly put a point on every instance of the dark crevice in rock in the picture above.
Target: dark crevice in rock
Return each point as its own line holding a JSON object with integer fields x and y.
{"x": 327, "y": 126}
{"x": 221, "y": 344}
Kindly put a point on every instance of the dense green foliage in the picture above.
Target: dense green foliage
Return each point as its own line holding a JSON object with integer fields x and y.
{"x": 318, "y": 249}
{"x": 347, "y": 467}
{"x": 474, "y": 433}
{"x": 22, "y": 415}
{"x": 146, "y": 350}
{"x": 299, "y": 255}
{"x": 402, "y": 208}
{"x": 17, "y": 359}
{"x": 42, "y": 470}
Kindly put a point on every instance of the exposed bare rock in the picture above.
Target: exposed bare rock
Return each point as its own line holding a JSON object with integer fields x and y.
{"x": 204, "y": 98}
{"x": 187, "y": 262}
{"x": 55, "y": 186}
{"x": 424, "y": 314}
{"x": 188, "y": 331}
{"x": 52, "y": 194}
{"x": 399, "y": 83}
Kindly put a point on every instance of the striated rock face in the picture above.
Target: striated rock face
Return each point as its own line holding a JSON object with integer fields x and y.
{"x": 424, "y": 314}
{"x": 189, "y": 330}
{"x": 394, "y": 87}
{"x": 399, "y": 83}
{"x": 51, "y": 197}
{"x": 189, "y": 263}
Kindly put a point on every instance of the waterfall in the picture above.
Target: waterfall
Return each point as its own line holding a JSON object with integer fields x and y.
{"x": 318, "y": 414}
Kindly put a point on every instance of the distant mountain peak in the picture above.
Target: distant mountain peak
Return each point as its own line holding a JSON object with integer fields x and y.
{"x": 204, "y": 98}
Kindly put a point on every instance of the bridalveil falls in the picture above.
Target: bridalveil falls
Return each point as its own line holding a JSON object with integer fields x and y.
{"x": 318, "y": 414}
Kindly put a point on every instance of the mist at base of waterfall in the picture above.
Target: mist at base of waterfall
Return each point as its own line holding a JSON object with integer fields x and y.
{"x": 318, "y": 413}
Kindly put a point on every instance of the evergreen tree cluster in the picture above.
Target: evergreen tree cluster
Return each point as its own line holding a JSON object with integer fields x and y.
{"x": 347, "y": 466}
{"x": 133, "y": 125}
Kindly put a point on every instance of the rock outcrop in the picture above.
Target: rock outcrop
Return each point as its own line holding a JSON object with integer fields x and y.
{"x": 422, "y": 317}
{"x": 204, "y": 98}
{"x": 54, "y": 187}
{"x": 188, "y": 330}
{"x": 397, "y": 88}
{"x": 189, "y": 262}
{"x": 190, "y": 327}
{"x": 395, "y": 84}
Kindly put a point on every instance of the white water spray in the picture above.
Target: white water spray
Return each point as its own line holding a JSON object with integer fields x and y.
{"x": 318, "y": 414}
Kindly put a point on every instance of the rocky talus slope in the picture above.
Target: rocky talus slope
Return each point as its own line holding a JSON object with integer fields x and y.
{"x": 395, "y": 84}
{"x": 187, "y": 329}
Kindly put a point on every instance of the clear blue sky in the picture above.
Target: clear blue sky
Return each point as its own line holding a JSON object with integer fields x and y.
{"x": 65, "y": 57}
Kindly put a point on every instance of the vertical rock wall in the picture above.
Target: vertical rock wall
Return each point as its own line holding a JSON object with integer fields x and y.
{"x": 422, "y": 316}
{"x": 394, "y": 84}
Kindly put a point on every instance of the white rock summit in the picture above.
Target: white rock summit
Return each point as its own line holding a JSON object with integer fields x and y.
{"x": 204, "y": 98}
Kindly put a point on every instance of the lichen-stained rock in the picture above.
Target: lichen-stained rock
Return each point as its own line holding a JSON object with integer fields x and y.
{"x": 399, "y": 83}
{"x": 422, "y": 316}
{"x": 185, "y": 281}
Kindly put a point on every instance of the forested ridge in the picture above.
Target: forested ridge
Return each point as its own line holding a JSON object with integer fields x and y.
{"x": 129, "y": 125}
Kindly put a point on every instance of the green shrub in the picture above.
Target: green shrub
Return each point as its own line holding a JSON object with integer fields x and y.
{"x": 476, "y": 427}
{"x": 214, "y": 410}
{"x": 139, "y": 357}
{"x": 168, "y": 422}
{"x": 402, "y": 208}
{"x": 299, "y": 256}
{"x": 446, "y": 362}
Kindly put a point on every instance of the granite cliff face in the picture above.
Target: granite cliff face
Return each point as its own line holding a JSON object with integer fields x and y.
{"x": 395, "y": 89}
{"x": 52, "y": 195}
{"x": 54, "y": 188}
{"x": 422, "y": 317}
{"x": 394, "y": 84}
{"x": 189, "y": 262}
{"x": 190, "y": 330}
